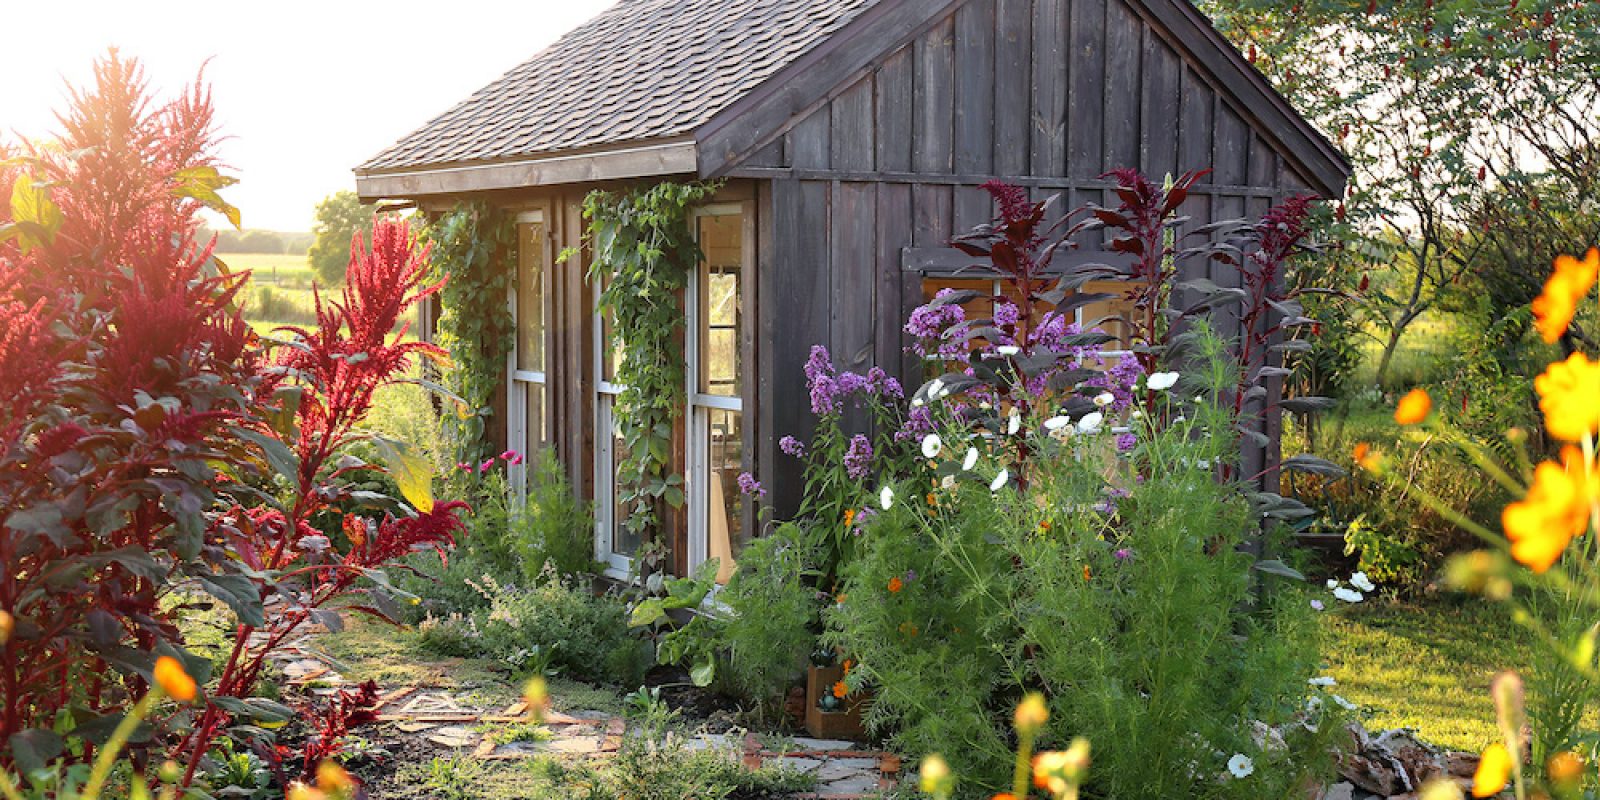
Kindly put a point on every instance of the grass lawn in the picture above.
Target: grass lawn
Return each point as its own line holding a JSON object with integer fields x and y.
{"x": 1425, "y": 666}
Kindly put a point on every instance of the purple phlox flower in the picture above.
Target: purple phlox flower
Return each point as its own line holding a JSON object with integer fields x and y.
{"x": 1006, "y": 314}
{"x": 750, "y": 486}
{"x": 1316, "y": 605}
{"x": 1123, "y": 554}
{"x": 911, "y": 575}
{"x": 820, "y": 381}
{"x": 792, "y": 446}
{"x": 930, "y": 323}
{"x": 879, "y": 382}
{"x": 858, "y": 458}
{"x": 1126, "y": 442}
{"x": 919, "y": 423}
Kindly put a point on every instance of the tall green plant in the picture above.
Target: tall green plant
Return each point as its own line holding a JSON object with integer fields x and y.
{"x": 473, "y": 245}
{"x": 644, "y": 248}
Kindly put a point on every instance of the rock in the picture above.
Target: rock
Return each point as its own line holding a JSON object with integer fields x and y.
{"x": 1339, "y": 791}
{"x": 1461, "y": 765}
{"x": 454, "y": 736}
{"x": 804, "y": 743}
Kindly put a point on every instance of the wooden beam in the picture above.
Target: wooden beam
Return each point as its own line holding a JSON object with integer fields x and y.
{"x": 1047, "y": 183}
{"x": 647, "y": 160}
{"x": 950, "y": 261}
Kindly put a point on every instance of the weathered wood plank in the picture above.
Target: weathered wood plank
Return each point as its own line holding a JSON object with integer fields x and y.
{"x": 1086, "y": 101}
{"x": 772, "y": 467}
{"x": 1123, "y": 83}
{"x": 853, "y": 247}
{"x": 1162, "y": 104}
{"x": 894, "y": 233}
{"x": 1263, "y": 171}
{"x": 975, "y": 86}
{"x": 853, "y": 128}
{"x": 894, "y": 113}
{"x": 799, "y": 271}
{"x": 933, "y": 149}
{"x": 949, "y": 261}
{"x": 1194, "y": 124}
{"x": 1230, "y": 147}
{"x": 1013, "y": 96}
{"x": 1048, "y": 142}
{"x": 973, "y": 207}
{"x": 809, "y": 143}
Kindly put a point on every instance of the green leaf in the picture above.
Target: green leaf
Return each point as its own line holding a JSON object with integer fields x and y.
{"x": 202, "y": 183}
{"x": 411, "y": 472}
{"x": 278, "y": 455}
{"x": 239, "y": 593}
{"x": 1276, "y": 567}
{"x": 36, "y": 216}
{"x": 648, "y": 612}
{"x": 704, "y": 670}
{"x": 35, "y": 748}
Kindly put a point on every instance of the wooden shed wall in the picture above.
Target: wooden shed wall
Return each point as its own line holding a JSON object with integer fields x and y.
{"x": 1050, "y": 94}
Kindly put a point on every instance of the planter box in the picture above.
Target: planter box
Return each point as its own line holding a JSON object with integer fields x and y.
{"x": 843, "y": 724}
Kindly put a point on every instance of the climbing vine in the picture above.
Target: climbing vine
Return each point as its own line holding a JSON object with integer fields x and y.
{"x": 473, "y": 245}
{"x": 643, "y": 250}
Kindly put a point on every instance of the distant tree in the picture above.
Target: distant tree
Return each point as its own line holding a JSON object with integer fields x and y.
{"x": 261, "y": 242}
{"x": 339, "y": 216}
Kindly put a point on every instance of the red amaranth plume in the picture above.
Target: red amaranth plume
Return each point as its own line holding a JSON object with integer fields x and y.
{"x": 1013, "y": 200}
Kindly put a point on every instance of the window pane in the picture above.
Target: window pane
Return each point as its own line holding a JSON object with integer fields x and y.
{"x": 725, "y": 504}
{"x": 530, "y": 297}
{"x": 538, "y": 434}
{"x": 623, "y": 541}
{"x": 1109, "y": 315}
{"x": 721, "y": 313}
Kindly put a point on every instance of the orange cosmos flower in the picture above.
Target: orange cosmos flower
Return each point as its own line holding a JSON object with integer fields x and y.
{"x": 1569, "y": 396}
{"x": 174, "y": 680}
{"x": 7, "y": 625}
{"x": 1568, "y": 285}
{"x": 1565, "y": 768}
{"x": 840, "y": 690}
{"x": 1556, "y": 509}
{"x": 1413, "y": 408}
{"x": 895, "y": 584}
{"x": 1004, "y": 796}
{"x": 1494, "y": 771}
{"x": 1087, "y": 575}
{"x": 334, "y": 780}
{"x": 1044, "y": 525}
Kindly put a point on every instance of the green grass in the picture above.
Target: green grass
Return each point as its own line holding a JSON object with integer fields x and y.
{"x": 370, "y": 650}
{"x": 1425, "y": 666}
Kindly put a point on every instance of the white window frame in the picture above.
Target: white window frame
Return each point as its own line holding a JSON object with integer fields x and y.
{"x": 699, "y": 404}
{"x": 518, "y": 380}
{"x": 615, "y": 565}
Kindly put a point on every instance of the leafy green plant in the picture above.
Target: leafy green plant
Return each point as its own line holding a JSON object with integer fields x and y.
{"x": 775, "y": 605}
{"x": 643, "y": 251}
{"x": 472, "y": 246}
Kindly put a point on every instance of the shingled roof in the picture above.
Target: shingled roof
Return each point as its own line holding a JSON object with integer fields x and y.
{"x": 643, "y": 70}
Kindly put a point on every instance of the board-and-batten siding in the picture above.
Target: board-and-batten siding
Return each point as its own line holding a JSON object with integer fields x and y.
{"x": 1047, "y": 93}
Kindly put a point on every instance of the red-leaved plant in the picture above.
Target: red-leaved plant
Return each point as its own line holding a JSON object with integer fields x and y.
{"x": 154, "y": 450}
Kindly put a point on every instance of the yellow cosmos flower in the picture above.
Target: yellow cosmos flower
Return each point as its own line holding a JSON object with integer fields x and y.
{"x": 1032, "y": 713}
{"x": 1556, "y": 509}
{"x": 934, "y": 777}
{"x": 333, "y": 780}
{"x": 1494, "y": 771}
{"x": 1056, "y": 771}
{"x": 1553, "y": 310}
{"x": 1413, "y": 408}
{"x": 1569, "y": 396}
{"x": 174, "y": 680}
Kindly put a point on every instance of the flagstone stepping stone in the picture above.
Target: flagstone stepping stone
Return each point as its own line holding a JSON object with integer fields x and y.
{"x": 415, "y": 727}
{"x": 584, "y": 745}
{"x": 801, "y": 743}
{"x": 454, "y": 736}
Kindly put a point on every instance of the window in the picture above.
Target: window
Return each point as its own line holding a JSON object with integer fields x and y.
{"x": 615, "y": 544}
{"x": 527, "y": 420}
{"x": 719, "y": 514}
{"x": 1108, "y": 315}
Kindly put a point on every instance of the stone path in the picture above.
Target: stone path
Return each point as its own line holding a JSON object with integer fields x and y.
{"x": 450, "y": 721}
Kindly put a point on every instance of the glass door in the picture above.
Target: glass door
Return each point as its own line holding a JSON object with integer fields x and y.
{"x": 718, "y": 511}
{"x": 527, "y": 427}
{"x": 615, "y": 544}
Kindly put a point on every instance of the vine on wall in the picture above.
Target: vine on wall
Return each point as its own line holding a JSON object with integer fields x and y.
{"x": 644, "y": 248}
{"x": 474, "y": 244}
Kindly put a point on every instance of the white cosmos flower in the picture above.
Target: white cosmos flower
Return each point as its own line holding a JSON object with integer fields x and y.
{"x": 1014, "y": 423}
{"x": 1162, "y": 381}
{"x": 886, "y": 497}
{"x": 931, "y": 445}
{"x": 1137, "y": 414}
{"x": 1240, "y": 766}
{"x": 1343, "y": 703}
{"x": 1313, "y": 704}
{"x": 1324, "y": 680}
{"x": 1362, "y": 582}
{"x": 1348, "y": 595}
{"x": 936, "y": 388}
{"x": 1333, "y": 584}
{"x": 999, "y": 481}
{"x": 947, "y": 482}
{"x": 1057, "y": 423}
{"x": 1008, "y": 350}
{"x": 1104, "y": 399}
{"x": 971, "y": 460}
{"x": 1091, "y": 422}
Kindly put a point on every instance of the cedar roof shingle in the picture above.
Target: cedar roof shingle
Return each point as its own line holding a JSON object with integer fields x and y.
{"x": 642, "y": 70}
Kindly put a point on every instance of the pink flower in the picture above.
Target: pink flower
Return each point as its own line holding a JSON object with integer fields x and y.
{"x": 463, "y": 466}
{"x": 485, "y": 466}
{"x": 511, "y": 457}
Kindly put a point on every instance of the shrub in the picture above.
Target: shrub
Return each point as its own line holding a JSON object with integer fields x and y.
{"x": 776, "y": 606}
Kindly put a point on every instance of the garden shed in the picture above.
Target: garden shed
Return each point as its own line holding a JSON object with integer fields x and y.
{"x": 854, "y": 137}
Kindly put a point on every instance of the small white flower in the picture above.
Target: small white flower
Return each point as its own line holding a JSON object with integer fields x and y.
{"x": 1313, "y": 704}
{"x": 886, "y": 497}
{"x": 1240, "y": 766}
{"x": 999, "y": 481}
{"x": 1137, "y": 414}
{"x": 1343, "y": 703}
{"x": 936, "y": 388}
{"x": 971, "y": 460}
{"x": 1105, "y": 399}
{"x": 1054, "y": 424}
{"x": 1091, "y": 422}
{"x": 1362, "y": 582}
{"x": 1324, "y": 680}
{"x": 1332, "y": 584}
{"x": 1179, "y": 420}
{"x": 1348, "y": 595}
{"x": 947, "y": 482}
{"x": 1162, "y": 381}
{"x": 1008, "y": 350}
{"x": 931, "y": 445}
{"x": 1014, "y": 423}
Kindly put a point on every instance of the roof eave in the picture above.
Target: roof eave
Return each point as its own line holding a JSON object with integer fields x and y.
{"x": 629, "y": 160}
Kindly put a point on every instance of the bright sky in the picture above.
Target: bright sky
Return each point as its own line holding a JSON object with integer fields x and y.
{"x": 306, "y": 90}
